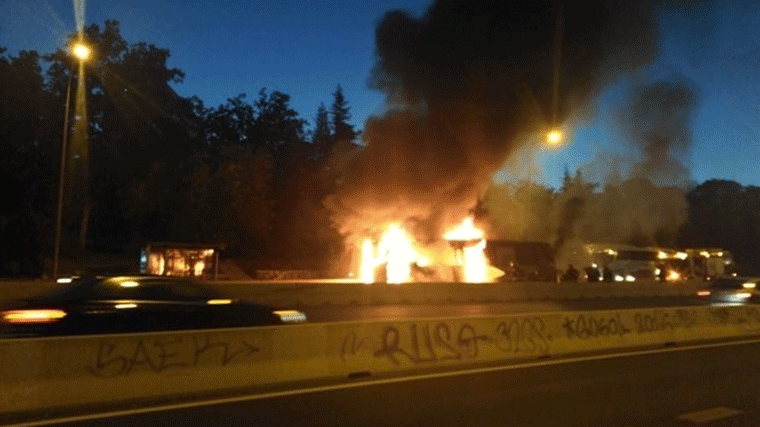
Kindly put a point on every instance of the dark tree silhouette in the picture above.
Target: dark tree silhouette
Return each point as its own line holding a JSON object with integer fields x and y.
{"x": 322, "y": 135}
{"x": 340, "y": 113}
{"x": 29, "y": 141}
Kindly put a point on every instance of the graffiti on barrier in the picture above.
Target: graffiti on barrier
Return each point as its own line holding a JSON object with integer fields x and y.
{"x": 664, "y": 321}
{"x": 585, "y": 326}
{"x": 351, "y": 345}
{"x": 721, "y": 315}
{"x": 160, "y": 354}
{"x": 432, "y": 342}
{"x": 426, "y": 347}
{"x": 523, "y": 335}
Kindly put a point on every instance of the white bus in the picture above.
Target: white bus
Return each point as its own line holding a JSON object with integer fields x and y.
{"x": 626, "y": 262}
{"x": 710, "y": 263}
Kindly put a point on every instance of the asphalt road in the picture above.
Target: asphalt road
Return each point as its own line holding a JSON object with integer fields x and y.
{"x": 711, "y": 387}
{"x": 333, "y": 313}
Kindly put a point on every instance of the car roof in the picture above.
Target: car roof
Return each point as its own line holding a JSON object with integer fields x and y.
{"x": 82, "y": 286}
{"x": 737, "y": 282}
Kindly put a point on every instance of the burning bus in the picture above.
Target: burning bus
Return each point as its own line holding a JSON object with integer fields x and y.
{"x": 463, "y": 255}
{"x": 397, "y": 258}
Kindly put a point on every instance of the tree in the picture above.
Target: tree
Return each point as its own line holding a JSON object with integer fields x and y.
{"x": 320, "y": 140}
{"x": 29, "y": 140}
{"x": 725, "y": 214}
{"x": 340, "y": 112}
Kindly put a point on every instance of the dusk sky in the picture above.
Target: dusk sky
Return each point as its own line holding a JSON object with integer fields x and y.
{"x": 306, "y": 48}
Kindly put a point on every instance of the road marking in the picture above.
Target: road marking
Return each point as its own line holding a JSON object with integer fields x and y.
{"x": 370, "y": 382}
{"x": 708, "y": 415}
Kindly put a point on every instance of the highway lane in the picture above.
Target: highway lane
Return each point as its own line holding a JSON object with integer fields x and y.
{"x": 334, "y": 313}
{"x": 714, "y": 386}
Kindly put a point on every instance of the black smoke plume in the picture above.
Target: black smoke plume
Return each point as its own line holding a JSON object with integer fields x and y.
{"x": 465, "y": 83}
{"x": 658, "y": 121}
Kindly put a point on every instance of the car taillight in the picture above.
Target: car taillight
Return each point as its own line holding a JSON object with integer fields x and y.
{"x": 704, "y": 293}
{"x": 32, "y": 316}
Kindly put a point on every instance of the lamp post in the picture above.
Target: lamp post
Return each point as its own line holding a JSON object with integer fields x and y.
{"x": 81, "y": 52}
{"x": 554, "y": 137}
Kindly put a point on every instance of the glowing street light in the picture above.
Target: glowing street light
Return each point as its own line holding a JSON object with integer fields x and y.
{"x": 81, "y": 52}
{"x": 554, "y": 137}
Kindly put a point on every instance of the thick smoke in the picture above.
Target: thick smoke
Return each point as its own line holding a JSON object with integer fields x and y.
{"x": 464, "y": 84}
{"x": 572, "y": 211}
{"x": 644, "y": 203}
{"x": 658, "y": 120}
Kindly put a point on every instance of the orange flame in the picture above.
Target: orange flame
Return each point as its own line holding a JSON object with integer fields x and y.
{"x": 368, "y": 263}
{"x": 397, "y": 253}
{"x": 465, "y": 231}
{"x": 472, "y": 257}
{"x": 395, "y": 250}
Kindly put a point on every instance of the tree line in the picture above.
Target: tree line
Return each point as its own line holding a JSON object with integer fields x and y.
{"x": 250, "y": 173}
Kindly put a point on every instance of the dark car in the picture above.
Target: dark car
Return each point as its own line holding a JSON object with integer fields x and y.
{"x": 133, "y": 304}
{"x": 735, "y": 290}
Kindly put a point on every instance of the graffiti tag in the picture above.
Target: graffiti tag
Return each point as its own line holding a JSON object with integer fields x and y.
{"x": 588, "y": 326}
{"x": 161, "y": 354}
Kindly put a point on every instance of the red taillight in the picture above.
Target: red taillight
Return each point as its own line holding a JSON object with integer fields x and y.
{"x": 32, "y": 316}
{"x": 704, "y": 293}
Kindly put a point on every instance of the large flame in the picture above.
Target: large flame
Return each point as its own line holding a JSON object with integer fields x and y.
{"x": 395, "y": 251}
{"x": 471, "y": 251}
{"x": 397, "y": 254}
{"x": 368, "y": 263}
{"x": 466, "y": 230}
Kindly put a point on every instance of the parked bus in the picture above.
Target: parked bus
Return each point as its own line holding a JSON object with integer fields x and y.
{"x": 710, "y": 263}
{"x": 626, "y": 262}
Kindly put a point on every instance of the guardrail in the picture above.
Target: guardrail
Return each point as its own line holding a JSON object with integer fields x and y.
{"x": 46, "y": 373}
{"x": 320, "y": 292}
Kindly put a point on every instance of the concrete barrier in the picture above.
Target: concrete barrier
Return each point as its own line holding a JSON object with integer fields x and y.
{"x": 320, "y": 292}
{"x": 287, "y": 274}
{"x": 46, "y": 373}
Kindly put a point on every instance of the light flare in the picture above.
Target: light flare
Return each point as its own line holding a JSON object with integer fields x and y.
{"x": 554, "y": 138}
{"x": 673, "y": 276}
{"x": 125, "y": 306}
{"x": 81, "y": 51}
{"x": 30, "y": 316}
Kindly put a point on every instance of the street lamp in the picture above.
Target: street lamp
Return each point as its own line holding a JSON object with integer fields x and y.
{"x": 81, "y": 52}
{"x": 554, "y": 137}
